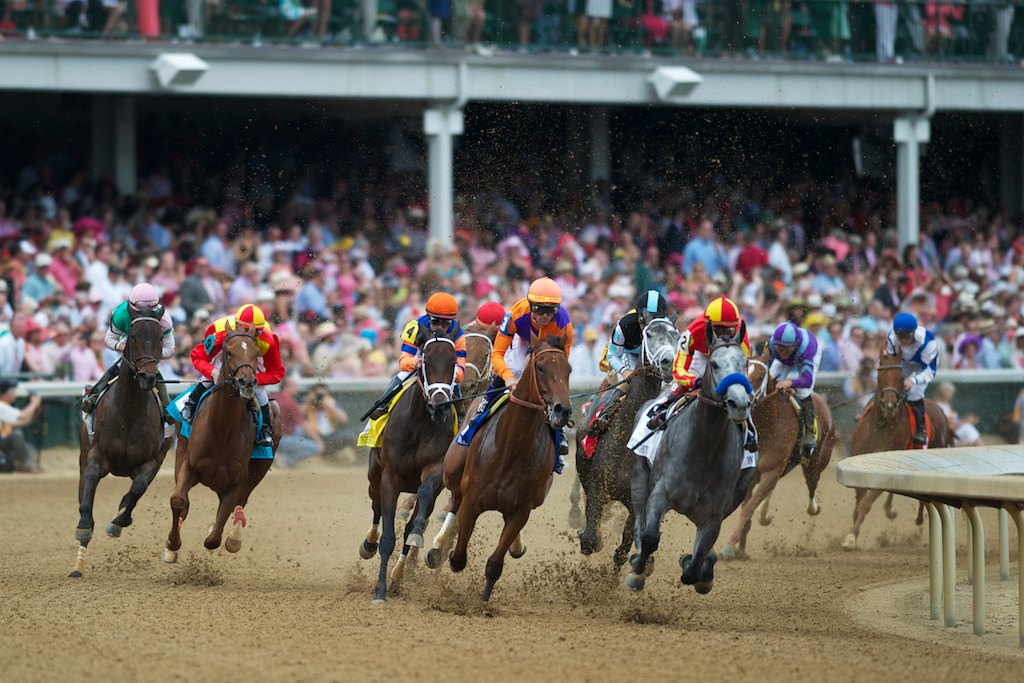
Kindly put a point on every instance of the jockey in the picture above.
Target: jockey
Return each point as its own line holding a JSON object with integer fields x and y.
{"x": 441, "y": 319}
{"x": 540, "y": 314}
{"x": 206, "y": 359}
{"x": 918, "y": 352}
{"x": 490, "y": 313}
{"x": 142, "y": 299}
{"x": 692, "y": 357}
{"x": 627, "y": 337}
{"x": 794, "y": 348}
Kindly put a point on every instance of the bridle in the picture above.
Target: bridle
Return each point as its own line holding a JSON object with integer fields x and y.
{"x": 715, "y": 400}
{"x": 233, "y": 377}
{"x": 481, "y": 375}
{"x": 136, "y": 363}
{"x": 761, "y": 390}
{"x": 665, "y": 352}
{"x": 901, "y": 395}
{"x": 542, "y": 405}
{"x": 431, "y": 389}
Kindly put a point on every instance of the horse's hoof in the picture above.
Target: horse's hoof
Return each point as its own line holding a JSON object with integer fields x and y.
{"x": 233, "y": 543}
{"x": 891, "y": 514}
{"x": 113, "y": 530}
{"x": 414, "y": 540}
{"x": 635, "y": 582}
{"x": 398, "y": 573}
{"x": 575, "y": 519}
{"x": 703, "y": 587}
{"x": 813, "y": 509}
{"x": 850, "y": 543}
{"x": 516, "y": 556}
{"x": 379, "y": 602}
{"x": 403, "y": 515}
{"x": 367, "y": 550}
{"x": 684, "y": 561}
{"x": 765, "y": 520}
{"x": 170, "y": 556}
{"x": 75, "y": 574}
{"x": 433, "y": 559}
{"x": 83, "y": 535}
{"x": 727, "y": 552}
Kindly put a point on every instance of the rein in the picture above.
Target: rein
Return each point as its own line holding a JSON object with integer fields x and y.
{"x": 901, "y": 395}
{"x": 130, "y": 358}
{"x": 430, "y": 389}
{"x": 664, "y": 352}
{"x": 482, "y": 376}
{"x": 233, "y": 377}
{"x": 542, "y": 406}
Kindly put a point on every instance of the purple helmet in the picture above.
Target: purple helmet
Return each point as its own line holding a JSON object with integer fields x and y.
{"x": 786, "y": 334}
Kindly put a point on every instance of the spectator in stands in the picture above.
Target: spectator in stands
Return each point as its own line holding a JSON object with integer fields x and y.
{"x": 84, "y": 357}
{"x": 300, "y": 438}
{"x": 16, "y": 453}
{"x": 586, "y": 356}
{"x": 312, "y": 298}
{"x": 706, "y": 250}
{"x": 329, "y": 417}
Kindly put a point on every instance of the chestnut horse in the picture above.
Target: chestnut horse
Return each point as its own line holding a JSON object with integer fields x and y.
{"x": 479, "y": 344}
{"x": 508, "y": 466}
{"x": 778, "y": 429}
{"x": 411, "y": 456}
{"x": 217, "y": 452}
{"x": 885, "y": 426}
{"x": 128, "y": 436}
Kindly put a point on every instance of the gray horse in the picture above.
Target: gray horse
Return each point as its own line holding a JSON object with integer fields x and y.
{"x": 606, "y": 475}
{"x": 696, "y": 471}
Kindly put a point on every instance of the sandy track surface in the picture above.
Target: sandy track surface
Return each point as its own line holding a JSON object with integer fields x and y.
{"x": 294, "y": 604}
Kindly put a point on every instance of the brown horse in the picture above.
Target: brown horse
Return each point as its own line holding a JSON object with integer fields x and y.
{"x": 885, "y": 426}
{"x": 128, "y": 436}
{"x": 778, "y": 429}
{"x": 418, "y": 431}
{"x": 217, "y": 453}
{"x": 508, "y": 466}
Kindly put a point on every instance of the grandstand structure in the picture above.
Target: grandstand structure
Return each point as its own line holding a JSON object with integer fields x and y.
{"x": 439, "y": 84}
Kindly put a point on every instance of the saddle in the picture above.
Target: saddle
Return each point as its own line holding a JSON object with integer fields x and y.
{"x": 373, "y": 433}
{"x": 174, "y": 410}
{"x": 469, "y": 431}
{"x": 913, "y": 425}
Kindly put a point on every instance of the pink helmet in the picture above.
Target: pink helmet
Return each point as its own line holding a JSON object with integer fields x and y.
{"x": 143, "y": 296}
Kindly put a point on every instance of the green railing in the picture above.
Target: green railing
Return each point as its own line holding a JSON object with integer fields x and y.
{"x": 830, "y": 30}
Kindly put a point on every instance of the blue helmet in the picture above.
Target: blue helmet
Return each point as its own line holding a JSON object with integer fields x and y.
{"x": 786, "y": 334}
{"x": 904, "y": 322}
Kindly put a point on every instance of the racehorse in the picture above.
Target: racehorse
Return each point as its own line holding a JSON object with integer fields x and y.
{"x": 778, "y": 429}
{"x": 217, "y": 452}
{"x": 479, "y": 344}
{"x": 607, "y": 475}
{"x": 696, "y": 469}
{"x": 419, "y": 429}
{"x": 128, "y": 431}
{"x": 885, "y": 426}
{"x": 509, "y": 463}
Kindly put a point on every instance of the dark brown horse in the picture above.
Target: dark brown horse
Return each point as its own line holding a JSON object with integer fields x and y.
{"x": 885, "y": 426}
{"x": 508, "y": 466}
{"x": 217, "y": 452}
{"x": 410, "y": 459}
{"x": 128, "y": 436}
{"x": 778, "y": 428}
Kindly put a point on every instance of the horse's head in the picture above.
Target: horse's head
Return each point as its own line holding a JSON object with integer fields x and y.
{"x": 889, "y": 393}
{"x": 143, "y": 346}
{"x": 726, "y": 374}
{"x": 479, "y": 344}
{"x": 437, "y": 374}
{"x": 551, "y": 376}
{"x": 241, "y": 356}
{"x": 658, "y": 347}
{"x": 757, "y": 373}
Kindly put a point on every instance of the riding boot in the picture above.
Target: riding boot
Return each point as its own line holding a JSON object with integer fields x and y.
{"x": 807, "y": 413}
{"x": 165, "y": 400}
{"x": 89, "y": 401}
{"x": 380, "y": 406}
{"x": 495, "y": 390}
{"x": 660, "y": 414}
{"x": 266, "y": 435}
{"x": 561, "y": 450}
{"x": 921, "y": 431}
{"x": 750, "y": 442}
{"x": 188, "y": 411}
{"x": 607, "y": 411}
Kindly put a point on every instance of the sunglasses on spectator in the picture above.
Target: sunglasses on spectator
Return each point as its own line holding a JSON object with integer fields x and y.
{"x": 538, "y": 309}
{"x": 438, "y": 321}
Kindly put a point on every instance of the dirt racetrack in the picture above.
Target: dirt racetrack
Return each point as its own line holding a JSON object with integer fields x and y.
{"x": 294, "y": 604}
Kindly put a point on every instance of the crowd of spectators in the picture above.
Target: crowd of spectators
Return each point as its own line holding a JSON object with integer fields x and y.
{"x": 835, "y": 30}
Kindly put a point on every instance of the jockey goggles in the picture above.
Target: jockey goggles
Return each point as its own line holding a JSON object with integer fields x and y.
{"x": 543, "y": 309}
{"x": 438, "y": 321}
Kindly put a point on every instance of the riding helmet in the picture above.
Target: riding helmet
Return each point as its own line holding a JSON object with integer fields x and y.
{"x": 252, "y": 316}
{"x": 143, "y": 296}
{"x": 442, "y": 305}
{"x": 651, "y": 304}
{"x": 545, "y": 291}
{"x": 904, "y": 322}
{"x": 786, "y": 334}
{"x": 722, "y": 312}
{"x": 491, "y": 313}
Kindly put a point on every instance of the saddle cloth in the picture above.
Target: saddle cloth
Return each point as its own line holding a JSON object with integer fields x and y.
{"x": 913, "y": 425}
{"x": 469, "y": 431}
{"x": 174, "y": 410}
{"x": 373, "y": 432}
{"x": 645, "y": 443}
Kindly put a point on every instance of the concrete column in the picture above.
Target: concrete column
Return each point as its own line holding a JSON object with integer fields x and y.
{"x": 102, "y": 138}
{"x": 909, "y": 132}
{"x": 123, "y": 121}
{"x": 600, "y": 147}
{"x": 441, "y": 125}
{"x": 1011, "y": 163}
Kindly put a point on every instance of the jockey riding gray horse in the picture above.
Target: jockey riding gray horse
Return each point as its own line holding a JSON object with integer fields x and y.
{"x": 698, "y": 468}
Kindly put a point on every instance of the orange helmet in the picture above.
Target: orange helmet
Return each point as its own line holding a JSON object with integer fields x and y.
{"x": 545, "y": 291}
{"x": 722, "y": 312}
{"x": 442, "y": 305}
{"x": 251, "y": 316}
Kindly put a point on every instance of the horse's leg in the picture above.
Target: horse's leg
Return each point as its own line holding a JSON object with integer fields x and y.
{"x": 869, "y": 498}
{"x": 89, "y": 477}
{"x": 388, "y": 502}
{"x": 426, "y": 496}
{"x": 622, "y": 552}
{"x": 699, "y": 568}
{"x": 405, "y": 509}
{"x": 575, "y": 514}
{"x": 650, "y": 536}
{"x": 596, "y": 497}
{"x": 228, "y": 501}
{"x": 140, "y": 482}
{"x": 257, "y": 470}
{"x": 368, "y": 548}
{"x": 812, "y": 474}
{"x": 887, "y": 506}
{"x": 763, "y": 518}
{"x": 639, "y": 490}
{"x": 737, "y": 544}
{"x": 514, "y": 523}
{"x": 184, "y": 479}
{"x": 466, "y": 518}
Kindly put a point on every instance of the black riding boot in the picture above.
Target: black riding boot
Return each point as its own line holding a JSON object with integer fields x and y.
{"x": 807, "y": 413}
{"x": 380, "y": 407}
{"x": 188, "y": 411}
{"x": 89, "y": 402}
{"x": 165, "y": 399}
{"x": 266, "y": 435}
{"x": 750, "y": 443}
{"x": 920, "y": 433}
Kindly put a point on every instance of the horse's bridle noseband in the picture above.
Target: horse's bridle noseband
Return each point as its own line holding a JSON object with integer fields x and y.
{"x": 901, "y": 394}
{"x": 135, "y": 363}
{"x": 654, "y": 358}
{"x": 430, "y": 389}
{"x": 718, "y": 402}
{"x": 233, "y": 377}
{"x": 542, "y": 405}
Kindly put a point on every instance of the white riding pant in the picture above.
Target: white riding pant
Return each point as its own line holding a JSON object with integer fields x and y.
{"x": 916, "y": 392}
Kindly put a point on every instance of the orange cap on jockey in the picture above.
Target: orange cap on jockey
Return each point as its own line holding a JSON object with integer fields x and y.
{"x": 251, "y": 316}
{"x": 545, "y": 291}
{"x": 722, "y": 312}
{"x": 442, "y": 305}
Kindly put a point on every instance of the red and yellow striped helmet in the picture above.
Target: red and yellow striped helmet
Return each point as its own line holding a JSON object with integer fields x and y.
{"x": 545, "y": 291}
{"x": 722, "y": 312}
{"x": 251, "y": 316}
